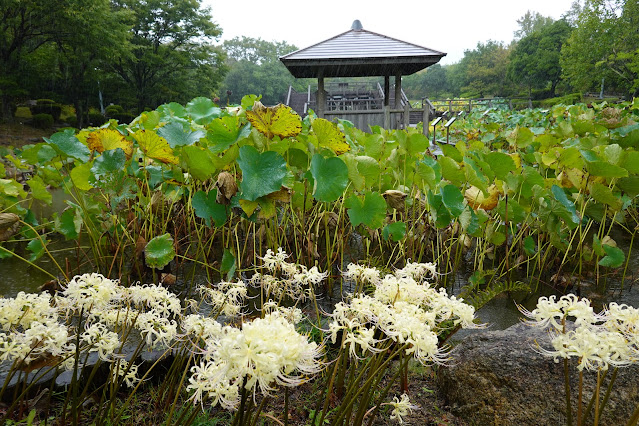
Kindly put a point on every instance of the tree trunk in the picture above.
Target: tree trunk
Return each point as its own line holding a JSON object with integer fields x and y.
{"x": 79, "y": 113}
{"x": 6, "y": 113}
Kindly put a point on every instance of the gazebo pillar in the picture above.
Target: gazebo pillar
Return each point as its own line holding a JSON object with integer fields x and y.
{"x": 398, "y": 90}
{"x": 387, "y": 101}
{"x": 321, "y": 96}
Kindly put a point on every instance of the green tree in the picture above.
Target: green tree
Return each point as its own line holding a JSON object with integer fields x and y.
{"x": 604, "y": 46}
{"x": 81, "y": 60}
{"x": 530, "y": 23}
{"x": 254, "y": 68}
{"x": 431, "y": 82}
{"x": 25, "y": 26}
{"x": 482, "y": 71}
{"x": 534, "y": 61}
{"x": 170, "y": 40}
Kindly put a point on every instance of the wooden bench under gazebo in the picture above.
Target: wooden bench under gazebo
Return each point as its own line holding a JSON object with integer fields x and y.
{"x": 360, "y": 53}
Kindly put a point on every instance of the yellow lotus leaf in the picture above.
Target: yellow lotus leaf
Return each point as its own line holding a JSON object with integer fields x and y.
{"x": 82, "y": 135}
{"x": 155, "y": 146}
{"x": 476, "y": 198}
{"x": 279, "y": 120}
{"x": 329, "y": 136}
{"x": 517, "y": 160}
{"x": 106, "y": 139}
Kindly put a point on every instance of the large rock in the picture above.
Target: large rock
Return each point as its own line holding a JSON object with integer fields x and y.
{"x": 497, "y": 378}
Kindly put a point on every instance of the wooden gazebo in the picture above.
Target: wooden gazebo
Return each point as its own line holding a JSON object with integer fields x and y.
{"x": 362, "y": 53}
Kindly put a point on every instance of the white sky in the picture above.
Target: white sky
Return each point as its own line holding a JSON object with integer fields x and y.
{"x": 450, "y": 26}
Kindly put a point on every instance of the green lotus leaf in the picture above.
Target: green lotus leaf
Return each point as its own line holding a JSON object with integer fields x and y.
{"x": 614, "y": 257}
{"x": 429, "y": 170}
{"x": 80, "y": 176}
{"x": 369, "y": 209}
{"x": 368, "y": 168}
{"x": 159, "y": 251}
{"x": 604, "y": 195}
{"x": 109, "y": 162}
{"x": 530, "y": 247}
{"x": 38, "y": 190}
{"x": 605, "y": 169}
{"x": 206, "y": 207}
{"x": 66, "y": 143}
{"x": 353, "y": 174}
{"x": 225, "y": 131}
{"x": 39, "y": 154}
{"x": 297, "y": 158}
{"x": 203, "y": 110}
{"x": 560, "y": 195}
{"x": 501, "y": 164}
{"x": 330, "y": 178}
{"x": 176, "y": 135}
{"x": 36, "y": 247}
{"x": 453, "y": 199}
{"x": 629, "y": 185}
{"x": 451, "y": 171}
{"x": 438, "y": 210}
{"x": 198, "y": 162}
{"x": 170, "y": 110}
{"x": 262, "y": 173}
{"x": 229, "y": 265}
{"x": 395, "y": 231}
{"x": 630, "y": 162}
{"x": 69, "y": 224}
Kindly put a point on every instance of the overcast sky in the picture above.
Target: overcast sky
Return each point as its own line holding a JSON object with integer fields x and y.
{"x": 451, "y": 26}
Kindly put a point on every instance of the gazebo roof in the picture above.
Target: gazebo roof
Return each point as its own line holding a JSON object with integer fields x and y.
{"x": 359, "y": 53}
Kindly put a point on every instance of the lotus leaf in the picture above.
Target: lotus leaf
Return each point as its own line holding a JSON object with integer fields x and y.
{"x": 68, "y": 144}
{"x": 395, "y": 231}
{"x": 225, "y": 131}
{"x": 176, "y": 134}
{"x": 279, "y": 120}
{"x": 159, "y": 252}
{"x": 369, "y": 209}
{"x": 614, "y": 257}
{"x": 107, "y": 139}
{"x": 39, "y": 190}
{"x": 501, "y": 164}
{"x": 69, "y": 224}
{"x": 109, "y": 162}
{"x": 604, "y": 195}
{"x": 203, "y": 110}
{"x": 155, "y": 146}
{"x": 262, "y": 173}
{"x": 330, "y": 178}
{"x": 453, "y": 200}
{"x": 329, "y": 136}
{"x": 80, "y": 176}
{"x": 198, "y": 162}
{"x": 207, "y": 208}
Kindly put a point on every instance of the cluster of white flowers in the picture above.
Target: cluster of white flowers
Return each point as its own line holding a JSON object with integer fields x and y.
{"x": 129, "y": 372}
{"x": 401, "y": 407}
{"x": 597, "y": 341}
{"x": 404, "y": 310}
{"x": 227, "y": 299}
{"x": 264, "y": 352}
{"x": 287, "y": 279}
{"x": 44, "y": 328}
{"x": 417, "y": 271}
{"x": 362, "y": 274}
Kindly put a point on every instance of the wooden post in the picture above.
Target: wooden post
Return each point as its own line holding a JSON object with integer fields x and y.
{"x": 386, "y": 90}
{"x": 398, "y": 90}
{"x": 387, "y": 119}
{"x": 406, "y": 116}
{"x": 426, "y": 120}
{"x": 321, "y": 97}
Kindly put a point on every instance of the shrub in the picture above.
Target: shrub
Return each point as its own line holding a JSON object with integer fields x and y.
{"x": 123, "y": 117}
{"x": 96, "y": 119}
{"x": 42, "y": 121}
{"x": 570, "y": 99}
{"x": 112, "y": 110}
{"x": 47, "y": 106}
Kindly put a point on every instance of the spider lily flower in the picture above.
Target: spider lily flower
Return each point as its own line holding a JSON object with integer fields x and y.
{"x": 401, "y": 408}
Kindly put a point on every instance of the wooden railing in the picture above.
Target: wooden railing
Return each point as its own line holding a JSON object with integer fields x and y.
{"x": 455, "y": 105}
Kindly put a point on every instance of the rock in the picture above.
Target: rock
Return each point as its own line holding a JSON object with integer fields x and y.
{"x": 496, "y": 377}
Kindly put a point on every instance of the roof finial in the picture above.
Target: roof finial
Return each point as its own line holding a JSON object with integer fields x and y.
{"x": 357, "y": 26}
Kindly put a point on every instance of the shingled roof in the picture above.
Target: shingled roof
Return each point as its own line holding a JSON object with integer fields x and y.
{"x": 360, "y": 53}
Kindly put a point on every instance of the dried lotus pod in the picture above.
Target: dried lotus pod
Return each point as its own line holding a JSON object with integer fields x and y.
{"x": 395, "y": 199}
{"x": 226, "y": 187}
{"x": 9, "y": 225}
